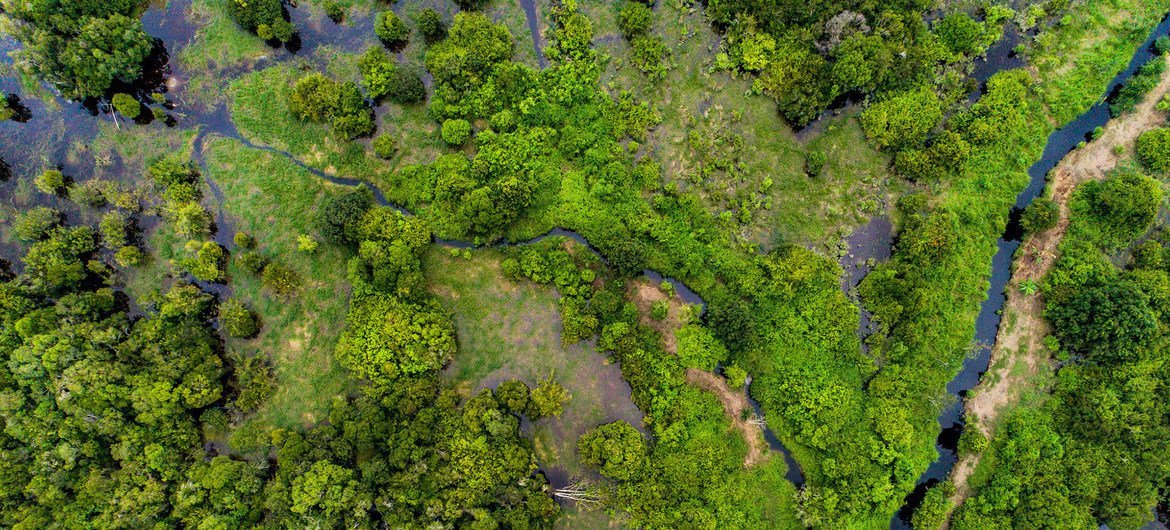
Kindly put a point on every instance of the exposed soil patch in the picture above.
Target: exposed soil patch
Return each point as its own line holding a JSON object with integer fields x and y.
{"x": 1022, "y": 341}
{"x": 738, "y": 410}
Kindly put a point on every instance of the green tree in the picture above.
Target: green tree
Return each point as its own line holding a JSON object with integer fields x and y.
{"x": 902, "y": 121}
{"x": 328, "y": 495}
{"x": 456, "y": 132}
{"x": 1039, "y": 216}
{"x": 387, "y": 337}
{"x": 391, "y": 30}
{"x": 36, "y": 224}
{"x": 431, "y": 25}
{"x": 51, "y": 181}
{"x": 547, "y": 400}
{"x": 1153, "y": 149}
{"x": 126, "y": 105}
{"x": 634, "y": 19}
{"x": 617, "y": 449}
{"x": 237, "y": 320}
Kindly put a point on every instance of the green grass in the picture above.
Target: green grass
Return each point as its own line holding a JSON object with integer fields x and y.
{"x": 219, "y": 47}
{"x": 260, "y": 112}
{"x": 1102, "y": 36}
{"x": 511, "y": 330}
{"x": 271, "y": 198}
{"x": 697, "y": 99}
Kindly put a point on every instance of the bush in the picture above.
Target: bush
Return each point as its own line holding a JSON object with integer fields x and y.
{"x": 207, "y": 263}
{"x": 431, "y": 25}
{"x": 456, "y": 132}
{"x": 1136, "y": 87}
{"x": 353, "y": 118}
{"x": 280, "y": 279}
{"x": 1162, "y": 45}
{"x": 335, "y": 11}
{"x": 252, "y": 262}
{"x": 113, "y": 228}
{"x": 237, "y": 320}
{"x": 814, "y": 162}
{"x": 660, "y": 310}
{"x": 1153, "y": 149}
{"x": 126, "y": 105}
{"x": 391, "y": 30}
{"x": 960, "y": 33}
{"x": 88, "y": 194}
{"x": 736, "y": 376}
{"x": 649, "y": 55}
{"x": 265, "y": 17}
{"x": 387, "y": 337}
{"x": 339, "y": 217}
{"x": 698, "y": 348}
{"x": 617, "y": 449}
{"x": 129, "y": 256}
{"x": 35, "y": 224}
{"x": 256, "y": 382}
{"x": 634, "y": 19}
{"x": 385, "y": 146}
{"x": 547, "y": 400}
{"x": 244, "y": 240}
{"x": 902, "y": 121}
{"x": 306, "y": 244}
{"x": 1039, "y": 216}
{"x": 315, "y": 98}
{"x": 51, "y": 182}
{"x": 385, "y": 79}
{"x": 512, "y": 396}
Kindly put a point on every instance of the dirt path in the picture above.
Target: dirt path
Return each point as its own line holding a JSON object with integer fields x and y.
{"x": 1019, "y": 346}
{"x": 737, "y": 408}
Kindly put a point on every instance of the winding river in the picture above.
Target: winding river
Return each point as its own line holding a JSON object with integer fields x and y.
{"x": 50, "y": 129}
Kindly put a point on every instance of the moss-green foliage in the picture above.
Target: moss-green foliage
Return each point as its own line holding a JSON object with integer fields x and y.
{"x": 51, "y": 181}
{"x": 431, "y": 24}
{"x": 617, "y": 449}
{"x": 385, "y": 79}
{"x": 263, "y": 17}
{"x": 81, "y": 48}
{"x": 698, "y": 347}
{"x": 1039, "y": 216}
{"x": 634, "y": 18}
{"x": 205, "y": 261}
{"x": 35, "y": 224}
{"x": 237, "y": 320}
{"x": 388, "y": 338}
{"x": 456, "y": 132}
{"x": 385, "y": 146}
{"x": 1117, "y": 209}
{"x": 932, "y": 513}
{"x": 391, "y": 29}
{"x": 126, "y": 105}
{"x": 1153, "y": 149}
{"x": 903, "y": 120}
{"x": 318, "y": 98}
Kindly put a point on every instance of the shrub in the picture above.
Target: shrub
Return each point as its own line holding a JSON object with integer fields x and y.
{"x": 391, "y": 30}
{"x": 334, "y": 10}
{"x": 698, "y": 347}
{"x": 237, "y": 320}
{"x": 339, "y": 217}
{"x": 385, "y": 146}
{"x": 35, "y": 224}
{"x": 972, "y": 441}
{"x": 113, "y": 227}
{"x": 207, "y": 264}
{"x": 129, "y": 256}
{"x": 244, "y": 240}
{"x": 126, "y": 105}
{"x": 1153, "y": 149}
{"x": 512, "y": 396}
{"x": 385, "y": 79}
{"x": 960, "y": 33}
{"x": 547, "y": 400}
{"x": 88, "y": 194}
{"x": 1136, "y": 87}
{"x": 265, "y": 17}
{"x": 387, "y": 337}
{"x": 736, "y": 376}
{"x": 51, "y": 181}
{"x": 431, "y": 24}
{"x": 280, "y": 279}
{"x": 353, "y": 118}
{"x": 902, "y": 121}
{"x": 315, "y": 97}
{"x": 617, "y": 449}
{"x": 191, "y": 220}
{"x": 306, "y": 244}
{"x": 252, "y": 262}
{"x": 1039, "y": 216}
{"x": 814, "y": 162}
{"x": 660, "y": 310}
{"x": 649, "y": 55}
{"x": 456, "y": 132}
{"x": 634, "y": 19}
{"x": 1162, "y": 45}
{"x": 256, "y": 382}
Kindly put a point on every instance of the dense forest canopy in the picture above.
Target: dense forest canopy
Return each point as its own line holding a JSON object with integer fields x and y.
{"x": 358, "y": 264}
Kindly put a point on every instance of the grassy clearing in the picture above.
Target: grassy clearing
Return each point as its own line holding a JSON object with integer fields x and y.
{"x": 271, "y": 198}
{"x": 1102, "y": 36}
{"x": 513, "y": 330}
{"x": 702, "y": 107}
{"x": 260, "y": 112}
{"x": 219, "y": 46}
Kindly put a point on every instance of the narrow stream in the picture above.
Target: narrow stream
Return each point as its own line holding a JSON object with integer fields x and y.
{"x": 1060, "y": 143}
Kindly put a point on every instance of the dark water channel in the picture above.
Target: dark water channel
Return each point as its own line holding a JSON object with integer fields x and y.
{"x": 1060, "y": 143}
